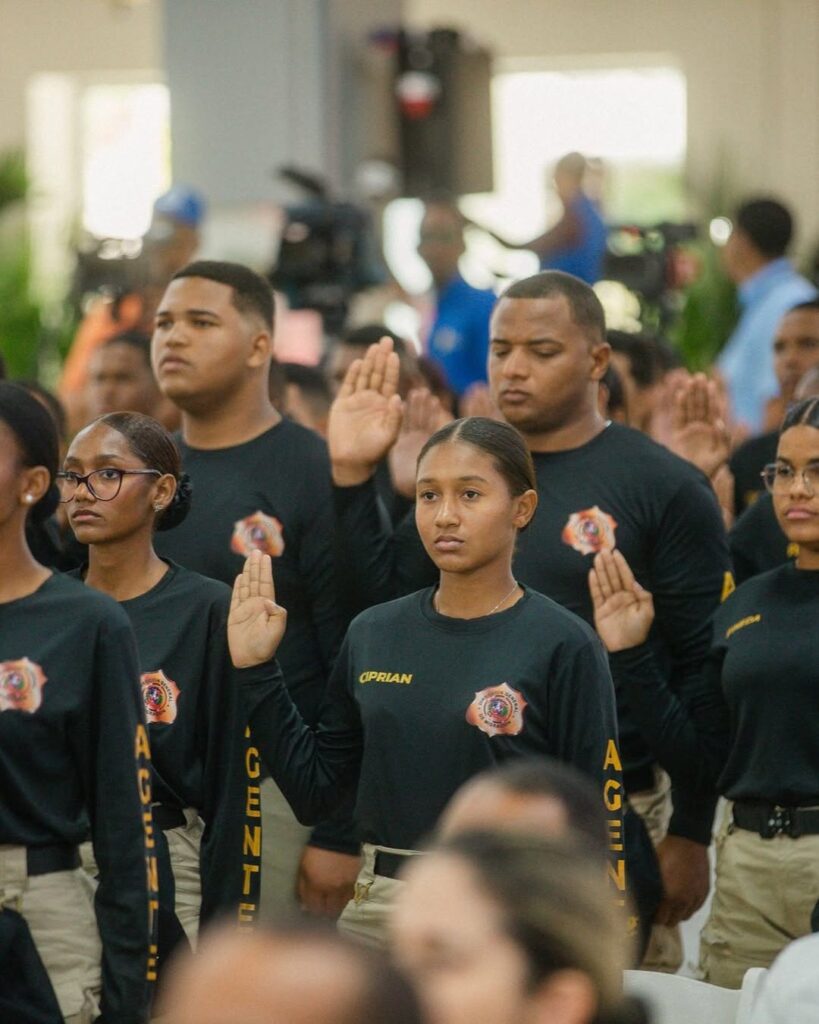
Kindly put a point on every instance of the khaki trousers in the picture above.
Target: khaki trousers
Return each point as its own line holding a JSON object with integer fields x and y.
{"x": 764, "y": 895}
{"x": 665, "y": 950}
{"x": 283, "y": 840}
{"x": 366, "y": 916}
{"x": 184, "y": 845}
{"x": 59, "y": 911}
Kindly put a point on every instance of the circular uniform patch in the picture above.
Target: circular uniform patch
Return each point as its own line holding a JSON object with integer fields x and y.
{"x": 497, "y": 711}
{"x": 160, "y": 695}
{"x": 21, "y": 685}
{"x": 590, "y": 530}
{"x": 258, "y": 531}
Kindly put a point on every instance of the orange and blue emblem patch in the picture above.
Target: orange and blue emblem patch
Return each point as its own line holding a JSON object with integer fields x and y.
{"x": 497, "y": 711}
{"x": 589, "y": 531}
{"x": 258, "y": 531}
{"x": 161, "y": 696}
{"x": 21, "y": 685}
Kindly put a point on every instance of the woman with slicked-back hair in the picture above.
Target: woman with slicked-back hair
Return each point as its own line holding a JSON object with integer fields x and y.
{"x": 431, "y": 689}
{"x": 753, "y": 728}
{"x": 122, "y": 482}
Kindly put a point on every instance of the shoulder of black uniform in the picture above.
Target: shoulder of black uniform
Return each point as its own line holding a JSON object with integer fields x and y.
{"x": 631, "y": 444}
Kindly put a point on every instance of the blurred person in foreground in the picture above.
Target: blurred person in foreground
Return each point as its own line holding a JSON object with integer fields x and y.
{"x": 576, "y": 244}
{"x": 550, "y": 798}
{"x": 504, "y": 928}
{"x": 768, "y": 286}
{"x": 286, "y": 974}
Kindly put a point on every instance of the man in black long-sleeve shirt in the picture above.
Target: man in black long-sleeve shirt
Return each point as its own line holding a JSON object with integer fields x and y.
{"x": 259, "y": 482}
{"x": 600, "y": 485}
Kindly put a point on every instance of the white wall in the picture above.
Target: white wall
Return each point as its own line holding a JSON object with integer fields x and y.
{"x": 69, "y": 36}
{"x": 752, "y": 68}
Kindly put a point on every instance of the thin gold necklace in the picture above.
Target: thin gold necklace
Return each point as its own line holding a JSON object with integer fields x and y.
{"x": 436, "y": 603}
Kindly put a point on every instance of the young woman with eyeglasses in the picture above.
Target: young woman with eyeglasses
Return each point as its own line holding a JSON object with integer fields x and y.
{"x": 762, "y": 685}
{"x": 121, "y": 482}
{"x": 73, "y": 757}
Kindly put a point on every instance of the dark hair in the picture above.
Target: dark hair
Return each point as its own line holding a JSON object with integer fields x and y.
{"x": 369, "y": 334}
{"x": 613, "y": 384}
{"x": 555, "y": 904}
{"x": 768, "y": 224}
{"x": 152, "y": 444}
{"x": 309, "y": 379}
{"x": 804, "y": 413}
{"x": 587, "y": 310}
{"x": 133, "y": 339}
{"x": 499, "y": 440}
{"x": 811, "y": 306}
{"x": 641, "y": 353}
{"x": 51, "y": 402}
{"x": 36, "y": 435}
{"x": 252, "y": 294}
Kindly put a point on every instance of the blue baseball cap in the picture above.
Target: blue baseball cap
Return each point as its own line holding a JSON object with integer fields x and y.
{"x": 183, "y": 204}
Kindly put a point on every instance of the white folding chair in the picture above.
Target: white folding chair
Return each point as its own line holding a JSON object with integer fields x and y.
{"x": 747, "y": 994}
{"x": 674, "y": 999}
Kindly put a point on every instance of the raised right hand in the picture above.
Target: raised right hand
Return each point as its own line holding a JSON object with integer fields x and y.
{"x": 623, "y": 610}
{"x": 366, "y": 416}
{"x": 423, "y": 415}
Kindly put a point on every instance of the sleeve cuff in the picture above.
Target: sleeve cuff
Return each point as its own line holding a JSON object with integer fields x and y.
{"x": 693, "y": 816}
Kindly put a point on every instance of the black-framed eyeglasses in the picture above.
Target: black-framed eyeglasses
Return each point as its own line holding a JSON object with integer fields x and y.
{"x": 778, "y": 478}
{"x": 103, "y": 484}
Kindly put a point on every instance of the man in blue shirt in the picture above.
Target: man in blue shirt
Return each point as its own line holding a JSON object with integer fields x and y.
{"x": 768, "y": 286}
{"x": 459, "y": 337}
{"x": 577, "y": 242}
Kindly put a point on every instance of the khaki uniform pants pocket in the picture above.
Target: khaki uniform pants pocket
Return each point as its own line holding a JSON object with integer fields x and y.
{"x": 764, "y": 895}
{"x": 366, "y": 916}
{"x": 59, "y": 910}
{"x": 283, "y": 841}
{"x": 665, "y": 950}
{"x": 184, "y": 846}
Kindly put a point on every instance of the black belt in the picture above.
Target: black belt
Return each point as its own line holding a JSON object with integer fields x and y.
{"x": 166, "y": 817}
{"x": 639, "y": 780}
{"x": 389, "y": 865}
{"x": 770, "y": 820}
{"x": 43, "y": 860}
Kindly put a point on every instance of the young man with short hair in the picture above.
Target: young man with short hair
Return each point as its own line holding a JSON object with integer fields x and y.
{"x": 260, "y": 481}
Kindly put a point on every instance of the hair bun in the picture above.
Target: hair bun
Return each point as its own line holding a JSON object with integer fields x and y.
{"x": 175, "y": 513}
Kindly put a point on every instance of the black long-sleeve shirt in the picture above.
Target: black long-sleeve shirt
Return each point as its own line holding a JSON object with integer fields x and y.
{"x": 618, "y": 489}
{"x": 419, "y": 702}
{"x": 272, "y": 493}
{"x": 757, "y": 542}
{"x": 72, "y": 753}
{"x": 752, "y": 726}
{"x": 196, "y": 724}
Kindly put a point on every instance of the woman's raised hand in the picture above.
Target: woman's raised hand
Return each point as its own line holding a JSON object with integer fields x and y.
{"x": 623, "y": 610}
{"x": 366, "y": 416}
{"x": 256, "y": 624}
{"x": 423, "y": 415}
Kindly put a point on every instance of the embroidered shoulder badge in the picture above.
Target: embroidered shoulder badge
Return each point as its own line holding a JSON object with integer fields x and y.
{"x": 497, "y": 710}
{"x": 160, "y": 695}
{"x": 257, "y": 531}
{"x": 21, "y": 685}
{"x": 589, "y": 531}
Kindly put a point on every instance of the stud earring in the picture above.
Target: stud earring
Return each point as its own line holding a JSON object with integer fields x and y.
{"x": 159, "y": 508}
{"x": 28, "y": 498}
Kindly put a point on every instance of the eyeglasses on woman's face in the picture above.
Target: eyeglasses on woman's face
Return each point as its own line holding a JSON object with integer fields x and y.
{"x": 102, "y": 484}
{"x": 778, "y": 477}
